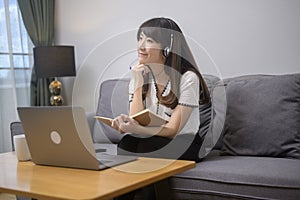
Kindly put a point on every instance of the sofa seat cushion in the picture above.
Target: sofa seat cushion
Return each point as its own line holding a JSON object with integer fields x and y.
{"x": 240, "y": 177}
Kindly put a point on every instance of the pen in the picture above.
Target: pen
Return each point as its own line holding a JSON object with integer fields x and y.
{"x": 130, "y": 68}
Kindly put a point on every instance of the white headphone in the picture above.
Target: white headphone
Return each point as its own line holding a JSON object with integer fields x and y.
{"x": 167, "y": 50}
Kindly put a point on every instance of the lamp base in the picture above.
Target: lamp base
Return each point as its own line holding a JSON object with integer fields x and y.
{"x": 55, "y": 90}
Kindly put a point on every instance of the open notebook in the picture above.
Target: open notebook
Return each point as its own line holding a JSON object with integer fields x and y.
{"x": 145, "y": 118}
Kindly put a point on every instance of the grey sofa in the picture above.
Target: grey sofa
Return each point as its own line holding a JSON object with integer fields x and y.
{"x": 251, "y": 149}
{"x": 252, "y": 146}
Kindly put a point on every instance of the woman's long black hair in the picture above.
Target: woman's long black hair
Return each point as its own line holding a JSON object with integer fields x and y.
{"x": 179, "y": 60}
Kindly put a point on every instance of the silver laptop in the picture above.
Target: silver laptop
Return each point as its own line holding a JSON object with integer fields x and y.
{"x": 60, "y": 136}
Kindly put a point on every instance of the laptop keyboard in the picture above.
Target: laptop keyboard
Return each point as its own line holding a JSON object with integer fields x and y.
{"x": 105, "y": 161}
{"x": 100, "y": 150}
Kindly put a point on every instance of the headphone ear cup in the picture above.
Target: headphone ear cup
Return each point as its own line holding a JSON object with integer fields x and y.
{"x": 166, "y": 51}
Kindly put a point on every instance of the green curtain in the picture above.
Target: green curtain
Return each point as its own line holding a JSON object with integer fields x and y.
{"x": 38, "y": 17}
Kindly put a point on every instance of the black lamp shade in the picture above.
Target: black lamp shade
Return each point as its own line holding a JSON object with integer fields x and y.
{"x": 54, "y": 61}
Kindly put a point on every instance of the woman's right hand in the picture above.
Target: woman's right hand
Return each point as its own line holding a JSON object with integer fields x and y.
{"x": 123, "y": 123}
{"x": 138, "y": 71}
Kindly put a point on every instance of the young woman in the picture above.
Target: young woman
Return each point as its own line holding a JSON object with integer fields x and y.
{"x": 166, "y": 80}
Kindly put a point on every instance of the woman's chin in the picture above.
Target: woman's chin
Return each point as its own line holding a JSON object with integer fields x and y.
{"x": 142, "y": 61}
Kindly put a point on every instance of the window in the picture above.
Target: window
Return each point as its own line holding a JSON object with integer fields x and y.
{"x": 16, "y": 60}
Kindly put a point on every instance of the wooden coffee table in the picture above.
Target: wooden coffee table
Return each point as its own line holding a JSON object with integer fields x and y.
{"x": 44, "y": 182}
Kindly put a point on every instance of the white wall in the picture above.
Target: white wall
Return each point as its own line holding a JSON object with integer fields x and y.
{"x": 228, "y": 37}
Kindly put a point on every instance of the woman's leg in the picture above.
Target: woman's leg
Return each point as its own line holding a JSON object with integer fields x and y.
{"x": 184, "y": 147}
{"x": 131, "y": 145}
{"x": 128, "y": 145}
{"x": 194, "y": 143}
{"x": 152, "y": 144}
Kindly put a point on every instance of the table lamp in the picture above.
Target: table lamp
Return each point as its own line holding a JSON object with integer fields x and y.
{"x": 53, "y": 62}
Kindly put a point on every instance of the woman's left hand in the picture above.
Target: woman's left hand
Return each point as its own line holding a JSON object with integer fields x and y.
{"x": 124, "y": 124}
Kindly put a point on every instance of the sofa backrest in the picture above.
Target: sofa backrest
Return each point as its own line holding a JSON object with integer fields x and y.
{"x": 250, "y": 115}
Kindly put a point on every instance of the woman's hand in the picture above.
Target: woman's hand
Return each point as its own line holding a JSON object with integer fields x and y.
{"x": 124, "y": 124}
{"x": 138, "y": 71}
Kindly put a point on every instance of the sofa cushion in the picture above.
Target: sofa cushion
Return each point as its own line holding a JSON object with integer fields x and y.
{"x": 239, "y": 177}
{"x": 205, "y": 109}
{"x": 113, "y": 101}
{"x": 263, "y": 116}
{"x": 217, "y": 118}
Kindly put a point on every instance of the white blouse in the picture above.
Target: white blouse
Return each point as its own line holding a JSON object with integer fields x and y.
{"x": 189, "y": 96}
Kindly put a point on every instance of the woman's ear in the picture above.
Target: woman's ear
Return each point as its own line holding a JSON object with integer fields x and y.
{"x": 163, "y": 56}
